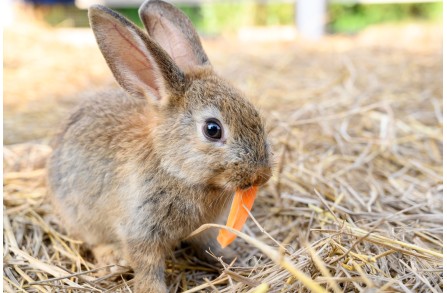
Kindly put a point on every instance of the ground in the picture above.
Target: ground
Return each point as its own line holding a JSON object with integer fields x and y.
{"x": 355, "y": 202}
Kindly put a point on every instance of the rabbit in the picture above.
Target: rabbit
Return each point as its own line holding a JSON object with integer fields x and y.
{"x": 136, "y": 170}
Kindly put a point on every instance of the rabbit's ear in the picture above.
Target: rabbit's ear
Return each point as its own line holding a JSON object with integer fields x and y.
{"x": 173, "y": 30}
{"x": 138, "y": 63}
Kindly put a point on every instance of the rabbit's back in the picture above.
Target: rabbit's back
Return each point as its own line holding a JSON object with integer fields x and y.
{"x": 85, "y": 164}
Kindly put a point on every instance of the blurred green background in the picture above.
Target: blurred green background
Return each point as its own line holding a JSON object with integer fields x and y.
{"x": 219, "y": 17}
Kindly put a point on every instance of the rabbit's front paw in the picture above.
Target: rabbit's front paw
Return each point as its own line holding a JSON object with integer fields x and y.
{"x": 227, "y": 255}
{"x": 148, "y": 261}
{"x": 207, "y": 248}
{"x": 107, "y": 255}
{"x": 149, "y": 284}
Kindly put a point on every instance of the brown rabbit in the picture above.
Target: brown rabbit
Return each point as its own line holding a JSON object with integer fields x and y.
{"x": 138, "y": 170}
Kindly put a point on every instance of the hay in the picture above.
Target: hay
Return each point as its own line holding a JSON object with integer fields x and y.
{"x": 355, "y": 203}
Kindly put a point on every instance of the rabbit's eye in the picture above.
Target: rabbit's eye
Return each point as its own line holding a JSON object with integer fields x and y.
{"x": 212, "y": 129}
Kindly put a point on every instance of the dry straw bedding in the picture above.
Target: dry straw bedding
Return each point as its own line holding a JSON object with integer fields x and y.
{"x": 355, "y": 203}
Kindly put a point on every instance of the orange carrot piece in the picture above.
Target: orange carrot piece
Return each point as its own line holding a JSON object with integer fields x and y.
{"x": 238, "y": 215}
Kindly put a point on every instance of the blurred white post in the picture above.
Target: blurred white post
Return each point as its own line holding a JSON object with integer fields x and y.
{"x": 7, "y": 13}
{"x": 311, "y": 18}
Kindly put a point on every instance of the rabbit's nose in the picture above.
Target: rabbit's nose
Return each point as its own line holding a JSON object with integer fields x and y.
{"x": 262, "y": 175}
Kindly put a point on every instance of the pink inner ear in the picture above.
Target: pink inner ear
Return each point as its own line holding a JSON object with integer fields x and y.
{"x": 132, "y": 62}
{"x": 172, "y": 40}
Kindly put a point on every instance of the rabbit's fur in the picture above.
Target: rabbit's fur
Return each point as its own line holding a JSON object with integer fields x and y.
{"x": 133, "y": 168}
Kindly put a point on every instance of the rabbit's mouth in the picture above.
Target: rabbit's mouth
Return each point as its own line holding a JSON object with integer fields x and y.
{"x": 246, "y": 186}
{"x": 232, "y": 180}
{"x": 256, "y": 178}
{"x": 250, "y": 182}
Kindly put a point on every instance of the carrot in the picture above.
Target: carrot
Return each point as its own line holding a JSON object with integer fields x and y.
{"x": 238, "y": 215}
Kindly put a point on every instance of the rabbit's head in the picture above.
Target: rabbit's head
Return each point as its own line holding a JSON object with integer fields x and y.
{"x": 201, "y": 128}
